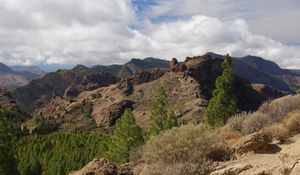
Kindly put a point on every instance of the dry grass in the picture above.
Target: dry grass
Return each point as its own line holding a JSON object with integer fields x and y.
{"x": 278, "y": 118}
{"x": 247, "y": 123}
{"x": 255, "y": 122}
{"x": 279, "y": 108}
{"x": 292, "y": 122}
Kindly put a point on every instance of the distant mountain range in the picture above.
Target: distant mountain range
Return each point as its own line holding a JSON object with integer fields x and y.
{"x": 39, "y": 92}
{"x": 13, "y": 77}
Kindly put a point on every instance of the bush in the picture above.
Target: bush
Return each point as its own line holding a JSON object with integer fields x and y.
{"x": 277, "y": 132}
{"x": 188, "y": 143}
{"x": 254, "y": 122}
{"x": 247, "y": 123}
{"x": 279, "y": 108}
{"x": 292, "y": 122}
{"x": 235, "y": 123}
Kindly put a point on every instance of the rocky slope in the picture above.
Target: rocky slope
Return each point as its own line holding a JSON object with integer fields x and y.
{"x": 189, "y": 85}
{"x": 261, "y": 71}
{"x": 39, "y": 92}
{"x": 275, "y": 159}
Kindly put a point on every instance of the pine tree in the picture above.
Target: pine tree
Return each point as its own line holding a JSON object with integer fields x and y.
{"x": 160, "y": 118}
{"x": 126, "y": 137}
{"x": 223, "y": 102}
{"x": 171, "y": 121}
{"x": 8, "y": 132}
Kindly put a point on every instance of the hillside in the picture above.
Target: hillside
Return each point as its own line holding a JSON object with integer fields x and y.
{"x": 13, "y": 77}
{"x": 188, "y": 84}
{"x": 261, "y": 71}
{"x": 39, "y": 92}
{"x": 264, "y": 142}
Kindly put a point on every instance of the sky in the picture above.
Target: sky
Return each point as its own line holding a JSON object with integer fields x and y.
{"x": 90, "y": 32}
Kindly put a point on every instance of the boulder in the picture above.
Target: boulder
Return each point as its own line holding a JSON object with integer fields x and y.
{"x": 106, "y": 167}
{"x": 232, "y": 170}
{"x": 250, "y": 143}
{"x": 98, "y": 167}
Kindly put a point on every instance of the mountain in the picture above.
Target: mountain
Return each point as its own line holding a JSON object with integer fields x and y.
{"x": 32, "y": 69}
{"x": 69, "y": 83}
{"x": 189, "y": 86}
{"x": 134, "y": 65}
{"x": 13, "y": 77}
{"x": 5, "y": 69}
{"x": 261, "y": 71}
{"x": 295, "y": 71}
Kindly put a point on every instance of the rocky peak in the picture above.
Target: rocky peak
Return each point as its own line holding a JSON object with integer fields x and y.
{"x": 175, "y": 66}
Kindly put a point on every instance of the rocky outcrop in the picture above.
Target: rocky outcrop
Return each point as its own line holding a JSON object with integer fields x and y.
{"x": 250, "y": 143}
{"x": 98, "y": 167}
{"x": 91, "y": 81}
{"x": 107, "y": 167}
{"x": 205, "y": 71}
{"x": 175, "y": 66}
{"x": 126, "y": 86}
{"x": 148, "y": 75}
{"x": 108, "y": 115}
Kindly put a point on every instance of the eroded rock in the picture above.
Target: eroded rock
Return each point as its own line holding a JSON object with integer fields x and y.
{"x": 232, "y": 170}
{"x": 250, "y": 143}
{"x": 98, "y": 167}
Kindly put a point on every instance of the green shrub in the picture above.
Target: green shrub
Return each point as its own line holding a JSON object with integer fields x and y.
{"x": 188, "y": 143}
{"x": 45, "y": 126}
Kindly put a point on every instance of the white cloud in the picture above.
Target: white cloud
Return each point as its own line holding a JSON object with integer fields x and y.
{"x": 278, "y": 19}
{"x": 201, "y": 34}
{"x": 99, "y": 32}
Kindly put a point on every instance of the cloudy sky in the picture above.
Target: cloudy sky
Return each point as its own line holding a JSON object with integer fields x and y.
{"x": 34, "y": 32}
